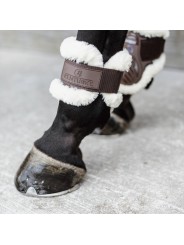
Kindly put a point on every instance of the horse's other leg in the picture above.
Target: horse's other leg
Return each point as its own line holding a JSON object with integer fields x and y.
{"x": 54, "y": 165}
{"x": 147, "y": 50}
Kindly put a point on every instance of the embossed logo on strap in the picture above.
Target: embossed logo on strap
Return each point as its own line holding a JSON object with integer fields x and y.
{"x": 82, "y": 76}
{"x": 91, "y": 78}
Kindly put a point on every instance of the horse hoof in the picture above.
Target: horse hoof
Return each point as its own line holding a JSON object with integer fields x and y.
{"x": 115, "y": 125}
{"x": 42, "y": 176}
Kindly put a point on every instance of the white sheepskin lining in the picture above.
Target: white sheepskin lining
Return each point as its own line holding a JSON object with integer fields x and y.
{"x": 71, "y": 95}
{"x": 82, "y": 52}
{"x": 153, "y": 33}
{"x": 149, "y": 72}
{"x": 121, "y": 61}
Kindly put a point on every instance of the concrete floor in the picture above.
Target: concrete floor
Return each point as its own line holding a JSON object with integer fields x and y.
{"x": 141, "y": 171}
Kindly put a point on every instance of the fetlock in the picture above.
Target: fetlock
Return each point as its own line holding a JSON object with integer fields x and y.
{"x": 61, "y": 141}
{"x": 125, "y": 110}
{"x": 119, "y": 120}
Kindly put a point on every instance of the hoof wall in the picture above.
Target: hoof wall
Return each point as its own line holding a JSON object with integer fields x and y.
{"x": 43, "y": 176}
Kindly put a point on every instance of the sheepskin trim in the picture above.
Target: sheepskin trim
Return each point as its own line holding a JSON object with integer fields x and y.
{"x": 121, "y": 61}
{"x": 81, "y": 52}
{"x": 81, "y": 97}
{"x": 150, "y": 71}
{"x": 71, "y": 95}
{"x": 112, "y": 100}
{"x": 153, "y": 33}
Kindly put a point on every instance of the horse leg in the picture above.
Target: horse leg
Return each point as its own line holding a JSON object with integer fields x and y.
{"x": 55, "y": 165}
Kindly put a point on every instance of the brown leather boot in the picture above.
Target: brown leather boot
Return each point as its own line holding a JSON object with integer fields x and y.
{"x": 148, "y": 58}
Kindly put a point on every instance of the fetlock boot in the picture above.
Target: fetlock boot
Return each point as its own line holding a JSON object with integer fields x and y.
{"x": 148, "y": 59}
{"x": 87, "y": 90}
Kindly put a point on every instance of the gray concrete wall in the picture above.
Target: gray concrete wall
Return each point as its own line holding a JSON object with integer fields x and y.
{"x": 40, "y": 41}
{"x": 175, "y": 50}
{"x": 49, "y": 41}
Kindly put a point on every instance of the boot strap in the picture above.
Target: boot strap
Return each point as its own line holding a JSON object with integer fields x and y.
{"x": 91, "y": 78}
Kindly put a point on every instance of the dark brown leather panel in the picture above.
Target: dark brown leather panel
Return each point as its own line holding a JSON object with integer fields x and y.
{"x": 144, "y": 51}
{"x": 151, "y": 48}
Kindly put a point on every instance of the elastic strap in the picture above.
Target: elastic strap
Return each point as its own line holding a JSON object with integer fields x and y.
{"x": 91, "y": 78}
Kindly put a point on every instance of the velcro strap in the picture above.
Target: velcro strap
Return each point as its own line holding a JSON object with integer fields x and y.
{"x": 91, "y": 78}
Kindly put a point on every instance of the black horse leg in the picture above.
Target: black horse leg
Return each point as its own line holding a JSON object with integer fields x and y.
{"x": 55, "y": 163}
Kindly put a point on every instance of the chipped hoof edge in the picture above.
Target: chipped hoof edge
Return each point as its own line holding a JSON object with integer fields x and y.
{"x": 31, "y": 192}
